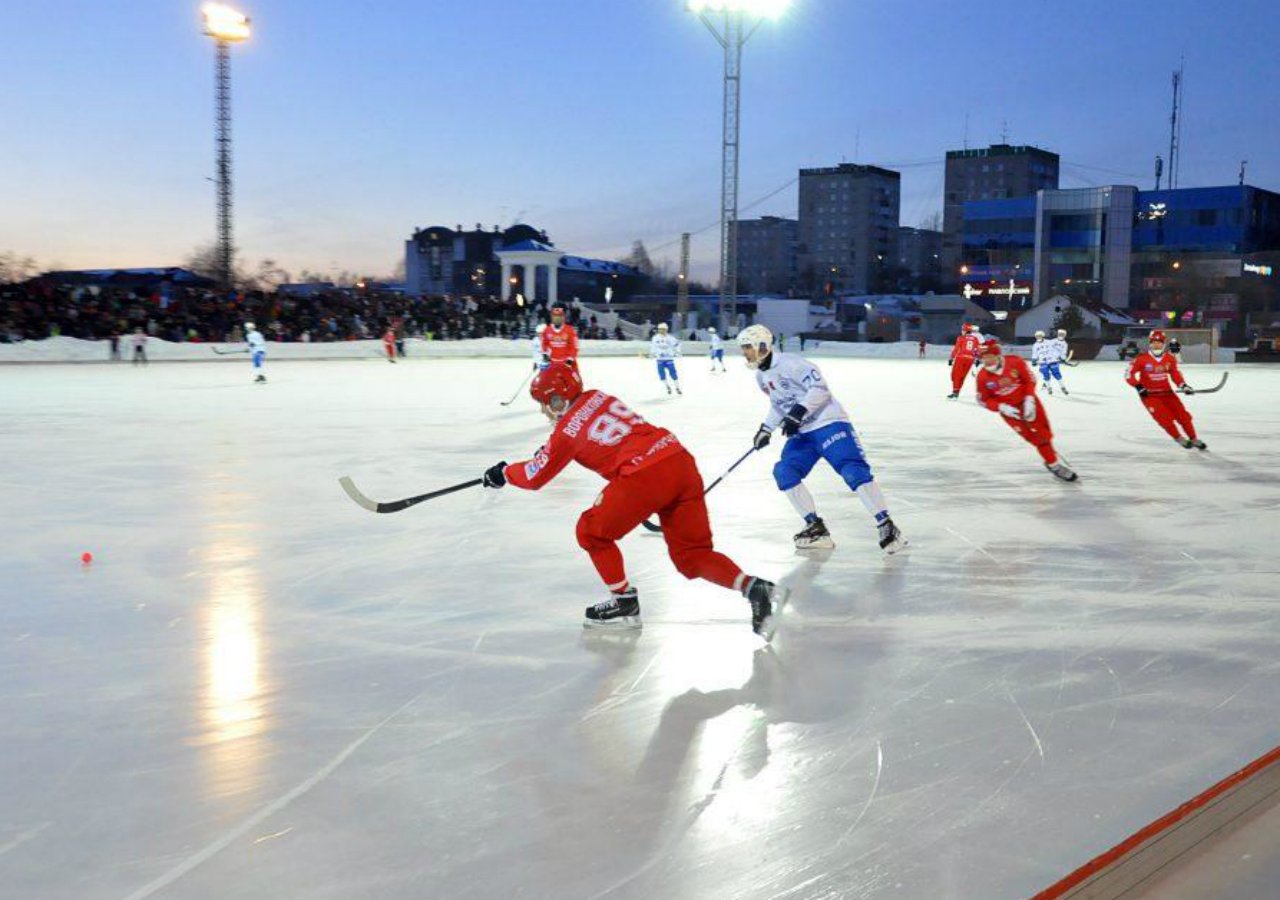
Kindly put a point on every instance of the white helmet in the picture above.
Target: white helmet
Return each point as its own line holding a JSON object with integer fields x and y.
{"x": 662, "y": 326}
{"x": 1062, "y": 332}
{"x": 249, "y": 326}
{"x": 759, "y": 337}
{"x": 1039, "y": 335}
{"x": 711, "y": 331}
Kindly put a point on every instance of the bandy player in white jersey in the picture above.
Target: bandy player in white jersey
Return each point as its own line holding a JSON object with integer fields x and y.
{"x": 816, "y": 427}
{"x": 257, "y": 350}
{"x": 665, "y": 348}
{"x": 717, "y": 350}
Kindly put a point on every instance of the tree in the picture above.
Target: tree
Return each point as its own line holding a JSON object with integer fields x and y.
{"x": 1070, "y": 319}
{"x": 268, "y": 277}
{"x": 15, "y": 268}
{"x": 204, "y": 260}
{"x": 639, "y": 259}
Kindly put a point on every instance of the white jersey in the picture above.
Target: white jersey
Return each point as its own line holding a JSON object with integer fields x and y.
{"x": 1041, "y": 352}
{"x": 257, "y": 343}
{"x": 664, "y": 346}
{"x": 536, "y": 343}
{"x": 792, "y": 379}
{"x": 716, "y": 343}
{"x": 1058, "y": 348}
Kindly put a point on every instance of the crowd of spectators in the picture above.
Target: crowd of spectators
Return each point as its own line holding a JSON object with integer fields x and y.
{"x": 42, "y": 308}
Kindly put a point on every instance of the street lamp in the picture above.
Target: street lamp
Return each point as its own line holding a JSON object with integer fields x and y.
{"x": 226, "y": 27}
{"x": 732, "y": 23}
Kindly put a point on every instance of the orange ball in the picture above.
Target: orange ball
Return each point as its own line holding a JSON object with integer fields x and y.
{"x": 86, "y": 557}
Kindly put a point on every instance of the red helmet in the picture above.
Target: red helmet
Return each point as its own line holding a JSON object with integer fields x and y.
{"x": 1158, "y": 336}
{"x": 556, "y": 380}
{"x": 990, "y": 347}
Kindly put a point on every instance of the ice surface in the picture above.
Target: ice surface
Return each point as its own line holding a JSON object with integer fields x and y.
{"x": 259, "y": 689}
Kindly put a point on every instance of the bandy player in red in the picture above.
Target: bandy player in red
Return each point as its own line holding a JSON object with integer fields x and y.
{"x": 963, "y": 356}
{"x": 1007, "y": 385}
{"x": 559, "y": 340}
{"x": 1155, "y": 374}
{"x": 648, "y": 471}
{"x": 389, "y": 343}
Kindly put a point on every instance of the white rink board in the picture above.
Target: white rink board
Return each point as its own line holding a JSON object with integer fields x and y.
{"x": 259, "y": 689}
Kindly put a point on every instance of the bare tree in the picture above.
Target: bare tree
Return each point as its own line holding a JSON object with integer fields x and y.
{"x": 15, "y": 268}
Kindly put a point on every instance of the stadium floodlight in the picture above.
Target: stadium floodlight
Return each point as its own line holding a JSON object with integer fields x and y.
{"x": 226, "y": 26}
{"x": 732, "y": 23}
{"x": 224, "y": 23}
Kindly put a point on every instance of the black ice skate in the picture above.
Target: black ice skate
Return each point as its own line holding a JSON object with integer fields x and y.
{"x": 261, "y": 379}
{"x": 891, "y": 539}
{"x": 1186, "y": 442}
{"x": 1199, "y": 444}
{"x": 668, "y": 387}
{"x": 767, "y": 600}
{"x": 815, "y": 537}
{"x": 953, "y": 395}
{"x": 678, "y": 391}
{"x": 1065, "y": 392}
{"x": 1061, "y": 470}
{"x": 1048, "y": 387}
{"x": 621, "y": 610}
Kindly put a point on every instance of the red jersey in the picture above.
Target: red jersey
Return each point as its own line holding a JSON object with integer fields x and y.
{"x": 966, "y": 345}
{"x": 1012, "y": 384}
{"x": 603, "y": 435}
{"x": 561, "y": 343}
{"x": 389, "y": 337}
{"x": 1155, "y": 373}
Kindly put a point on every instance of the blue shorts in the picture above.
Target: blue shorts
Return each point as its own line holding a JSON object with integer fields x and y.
{"x": 258, "y": 357}
{"x": 718, "y": 354}
{"x": 1050, "y": 369}
{"x": 665, "y": 366}
{"x": 836, "y": 443}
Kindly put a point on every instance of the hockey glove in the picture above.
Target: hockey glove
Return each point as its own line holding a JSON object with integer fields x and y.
{"x": 1186, "y": 389}
{"x": 495, "y": 476}
{"x": 1009, "y": 411}
{"x": 791, "y": 422}
{"x": 952, "y": 361}
{"x": 1029, "y": 409}
{"x": 762, "y": 438}
{"x": 1142, "y": 392}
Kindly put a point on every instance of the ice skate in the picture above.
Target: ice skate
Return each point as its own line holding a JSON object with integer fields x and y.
{"x": 668, "y": 387}
{"x": 621, "y": 610}
{"x": 1065, "y": 392}
{"x": 1061, "y": 470}
{"x": 261, "y": 379}
{"x": 953, "y": 395}
{"x": 814, "y": 537}
{"x": 678, "y": 391}
{"x": 1185, "y": 442}
{"x": 891, "y": 539}
{"x": 1199, "y": 444}
{"x": 767, "y": 600}
{"x": 1048, "y": 387}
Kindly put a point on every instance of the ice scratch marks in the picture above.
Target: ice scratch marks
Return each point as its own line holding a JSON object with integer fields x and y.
{"x": 1025, "y": 721}
{"x": 23, "y": 838}
{"x": 875, "y": 786}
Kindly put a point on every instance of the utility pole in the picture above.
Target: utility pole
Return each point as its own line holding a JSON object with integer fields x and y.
{"x": 682, "y": 288}
{"x": 1159, "y": 169}
{"x": 225, "y": 26}
{"x": 1243, "y": 163}
{"x": 1175, "y": 130}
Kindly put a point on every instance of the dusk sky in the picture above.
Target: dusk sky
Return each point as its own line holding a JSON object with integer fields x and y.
{"x": 598, "y": 120}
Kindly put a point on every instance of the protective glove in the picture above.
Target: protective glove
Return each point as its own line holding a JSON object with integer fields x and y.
{"x": 1009, "y": 411}
{"x": 762, "y": 438}
{"x": 495, "y": 476}
{"x": 1029, "y": 408}
{"x": 951, "y": 361}
{"x": 791, "y": 422}
{"x": 1142, "y": 392}
{"x": 1187, "y": 389}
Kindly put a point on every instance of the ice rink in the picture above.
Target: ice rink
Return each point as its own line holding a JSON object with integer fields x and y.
{"x": 260, "y": 690}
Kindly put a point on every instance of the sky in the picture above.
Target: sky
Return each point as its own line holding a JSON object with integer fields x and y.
{"x": 596, "y": 120}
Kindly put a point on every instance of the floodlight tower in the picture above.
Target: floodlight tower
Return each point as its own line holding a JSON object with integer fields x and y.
{"x": 226, "y": 27}
{"x": 732, "y": 23}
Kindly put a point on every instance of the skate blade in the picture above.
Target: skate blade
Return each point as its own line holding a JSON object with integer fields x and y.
{"x": 897, "y": 545}
{"x": 617, "y": 623}
{"x": 769, "y": 627}
{"x": 825, "y": 543}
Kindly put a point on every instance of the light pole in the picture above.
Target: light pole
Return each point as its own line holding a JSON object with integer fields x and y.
{"x": 732, "y": 23}
{"x": 226, "y": 27}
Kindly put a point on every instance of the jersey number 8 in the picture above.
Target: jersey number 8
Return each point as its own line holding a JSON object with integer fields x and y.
{"x": 611, "y": 427}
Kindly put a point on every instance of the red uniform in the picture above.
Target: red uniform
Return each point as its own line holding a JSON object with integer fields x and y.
{"x": 1007, "y": 392}
{"x": 1160, "y": 375}
{"x": 962, "y": 356}
{"x": 389, "y": 342}
{"x": 560, "y": 343}
{"x": 648, "y": 472}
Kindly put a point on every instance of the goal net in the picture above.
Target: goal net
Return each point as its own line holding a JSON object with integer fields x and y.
{"x": 1199, "y": 345}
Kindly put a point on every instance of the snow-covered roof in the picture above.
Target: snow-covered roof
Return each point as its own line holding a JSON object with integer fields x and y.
{"x": 527, "y": 245}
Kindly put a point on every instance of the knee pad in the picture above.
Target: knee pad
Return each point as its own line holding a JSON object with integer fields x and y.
{"x": 855, "y": 473}
{"x": 587, "y": 538}
{"x": 785, "y": 476}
